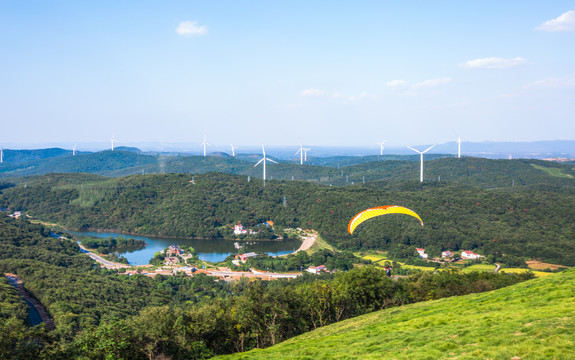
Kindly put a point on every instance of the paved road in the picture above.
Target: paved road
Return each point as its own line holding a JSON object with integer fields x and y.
{"x": 106, "y": 263}
{"x": 40, "y": 308}
{"x": 253, "y": 273}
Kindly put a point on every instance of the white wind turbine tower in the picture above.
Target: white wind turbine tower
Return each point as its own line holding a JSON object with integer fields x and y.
{"x": 264, "y": 159}
{"x": 300, "y": 152}
{"x": 305, "y": 153}
{"x": 1, "y": 155}
{"x": 74, "y": 150}
{"x": 381, "y": 147}
{"x": 233, "y": 150}
{"x": 204, "y": 144}
{"x": 421, "y": 153}
{"x": 112, "y": 140}
{"x": 459, "y": 147}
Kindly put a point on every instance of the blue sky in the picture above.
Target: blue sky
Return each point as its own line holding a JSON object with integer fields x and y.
{"x": 317, "y": 72}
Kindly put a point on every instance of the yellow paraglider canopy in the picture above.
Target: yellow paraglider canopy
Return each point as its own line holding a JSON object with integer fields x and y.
{"x": 377, "y": 211}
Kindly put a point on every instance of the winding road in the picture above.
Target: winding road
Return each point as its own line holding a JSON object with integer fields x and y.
{"x": 17, "y": 283}
{"x": 107, "y": 264}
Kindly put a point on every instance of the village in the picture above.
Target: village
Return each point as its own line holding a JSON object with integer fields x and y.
{"x": 465, "y": 255}
{"x": 178, "y": 261}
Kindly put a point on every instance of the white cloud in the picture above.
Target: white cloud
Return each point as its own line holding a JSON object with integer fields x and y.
{"x": 312, "y": 92}
{"x": 564, "y": 22}
{"x": 396, "y": 83}
{"x": 191, "y": 28}
{"x": 494, "y": 63}
{"x": 552, "y": 83}
{"x": 358, "y": 97}
{"x": 336, "y": 95}
{"x": 508, "y": 96}
{"x": 432, "y": 83}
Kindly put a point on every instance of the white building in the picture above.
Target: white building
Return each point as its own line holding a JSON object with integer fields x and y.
{"x": 446, "y": 254}
{"x": 316, "y": 269}
{"x": 422, "y": 253}
{"x": 469, "y": 255}
{"x": 239, "y": 229}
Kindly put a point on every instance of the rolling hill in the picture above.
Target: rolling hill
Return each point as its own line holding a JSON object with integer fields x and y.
{"x": 531, "y": 320}
{"x": 335, "y": 171}
{"x": 523, "y": 222}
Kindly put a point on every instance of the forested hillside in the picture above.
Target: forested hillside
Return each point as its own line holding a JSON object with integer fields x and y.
{"x": 100, "y": 314}
{"x": 331, "y": 171}
{"x": 507, "y": 225}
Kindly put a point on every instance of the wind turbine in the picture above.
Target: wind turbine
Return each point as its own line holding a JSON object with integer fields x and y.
{"x": 1, "y": 155}
{"x": 300, "y": 152}
{"x": 74, "y": 150}
{"x": 459, "y": 147}
{"x": 381, "y": 147}
{"x": 305, "y": 153}
{"x": 264, "y": 159}
{"x": 233, "y": 150}
{"x": 204, "y": 144}
{"x": 112, "y": 140}
{"x": 421, "y": 154}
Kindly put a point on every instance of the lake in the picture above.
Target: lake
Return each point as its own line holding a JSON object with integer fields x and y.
{"x": 212, "y": 250}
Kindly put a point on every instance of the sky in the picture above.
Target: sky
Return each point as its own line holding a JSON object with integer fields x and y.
{"x": 329, "y": 73}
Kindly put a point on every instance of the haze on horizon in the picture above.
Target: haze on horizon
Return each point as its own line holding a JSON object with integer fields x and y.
{"x": 252, "y": 72}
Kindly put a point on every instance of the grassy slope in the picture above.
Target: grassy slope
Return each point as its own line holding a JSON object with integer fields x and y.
{"x": 531, "y": 320}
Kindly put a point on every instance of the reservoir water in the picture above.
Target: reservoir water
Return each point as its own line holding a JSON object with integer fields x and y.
{"x": 213, "y": 250}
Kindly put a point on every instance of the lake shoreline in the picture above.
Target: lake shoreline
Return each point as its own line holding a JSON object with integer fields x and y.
{"x": 164, "y": 236}
{"x": 213, "y": 250}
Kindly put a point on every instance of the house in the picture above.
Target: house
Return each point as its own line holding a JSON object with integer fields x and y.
{"x": 16, "y": 214}
{"x": 469, "y": 255}
{"x": 446, "y": 254}
{"x": 244, "y": 257}
{"x": 171, "y": 260}
{"x": 316, "y": 269}
{"x": 174, "y": 250}
{"x": 421, "y": 253}
{"x": 239, "y": 229}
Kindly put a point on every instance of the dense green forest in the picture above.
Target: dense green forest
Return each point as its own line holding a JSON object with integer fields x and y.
{"x": 508, "y": 224}
{"x": 112, "y": 244}
{"x": 101, "y": 314}
{"x": 337, "y": 170}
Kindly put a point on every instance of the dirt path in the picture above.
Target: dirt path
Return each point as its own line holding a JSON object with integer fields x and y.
{"x": 14, "y": 280}
{"x": 307, "y": 243}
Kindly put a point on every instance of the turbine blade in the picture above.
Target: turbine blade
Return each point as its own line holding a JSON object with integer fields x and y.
{"x": 271, "y": 160}
{"x": 414, "y": 149}
{"x": 429, "y": 148}
{"x": 258, "y": 162}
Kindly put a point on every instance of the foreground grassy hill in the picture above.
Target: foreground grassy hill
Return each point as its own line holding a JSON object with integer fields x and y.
{"x": 531, "y": 320}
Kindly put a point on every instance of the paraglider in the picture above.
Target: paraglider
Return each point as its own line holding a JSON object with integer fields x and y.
{"x": 377, "y": 211}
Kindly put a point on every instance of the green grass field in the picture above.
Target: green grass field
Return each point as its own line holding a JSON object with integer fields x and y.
{"x": 379, "y": 259}
{"x": 531, "y": 320}
{"x": 320, "y": 244}
{"x": 553, "y": 171}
